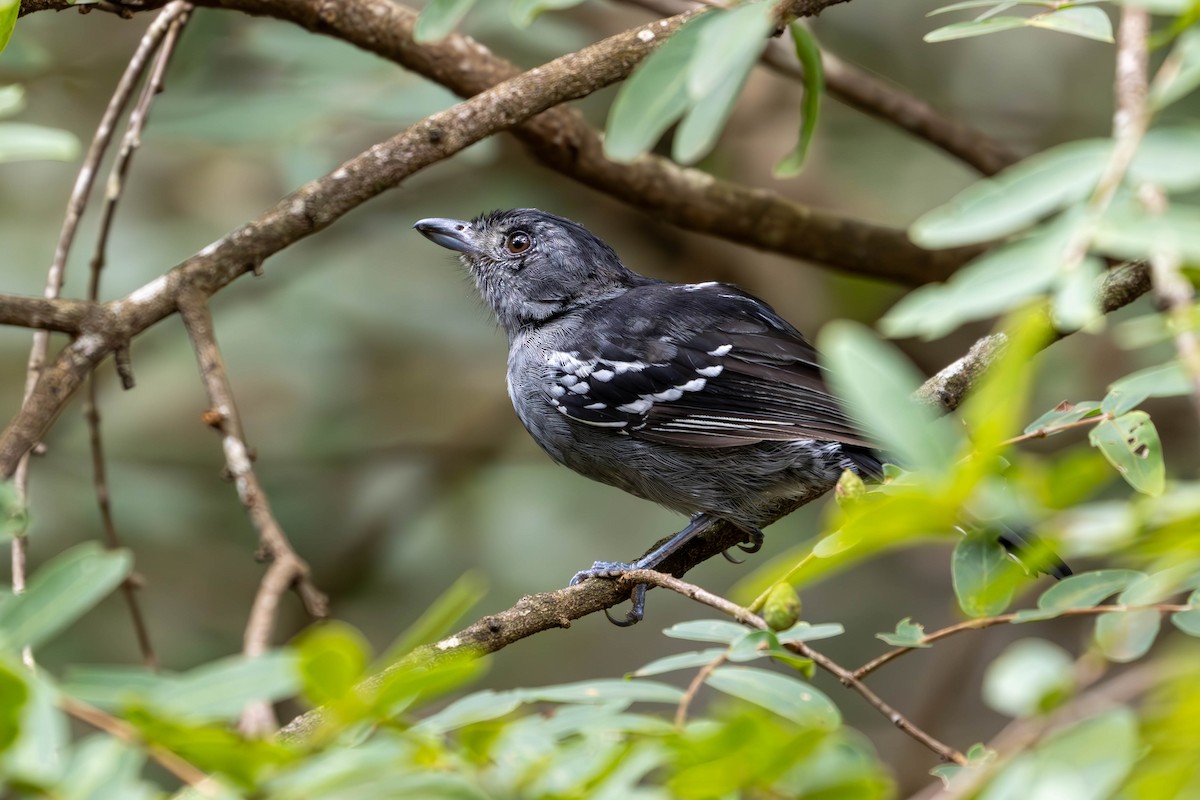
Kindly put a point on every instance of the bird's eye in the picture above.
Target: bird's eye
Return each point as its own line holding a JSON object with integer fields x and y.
{"x": 518, "y": 242}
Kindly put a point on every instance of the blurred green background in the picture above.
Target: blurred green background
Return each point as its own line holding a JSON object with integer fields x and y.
{"x": 371, "y": 379}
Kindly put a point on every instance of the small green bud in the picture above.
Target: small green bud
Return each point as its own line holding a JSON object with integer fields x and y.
{"x": 850, "y": 489}
{"x": 782, "y": 609}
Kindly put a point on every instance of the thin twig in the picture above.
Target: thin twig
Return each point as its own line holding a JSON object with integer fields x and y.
{"x": 177, "y": 15}
{"x": 681, "y": 711}
{"x": 845, "y": 676}
{"x": 986, "y": 622}
{"x": 56, "y": 274}
{"x": 287, "y": 570}
{"x": 1050, "y": 430}
{"x": 120, "y": 729}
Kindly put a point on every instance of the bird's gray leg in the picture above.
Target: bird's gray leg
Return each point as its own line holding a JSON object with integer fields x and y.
{"x": 615, "y": 569}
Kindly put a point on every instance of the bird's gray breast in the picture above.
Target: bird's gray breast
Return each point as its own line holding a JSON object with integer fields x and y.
{"x": 529, "y": 371}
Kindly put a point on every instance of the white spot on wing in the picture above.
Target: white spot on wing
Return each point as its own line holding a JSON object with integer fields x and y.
{"x": 639, "y": 406}
{"x": 720, "y": 351}
{"x": 667, "y": 395}
{"x": 603, "y": 375}
{"x": 711, "y": 372}
{"x": 694, "y": 385}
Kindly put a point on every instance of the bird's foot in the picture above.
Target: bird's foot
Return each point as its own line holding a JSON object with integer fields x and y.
{"x": 753, "y": 544}
{"x": 611, "y": 570}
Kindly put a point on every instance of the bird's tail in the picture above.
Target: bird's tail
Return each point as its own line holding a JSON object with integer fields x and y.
{"x": 1032, "y": 552}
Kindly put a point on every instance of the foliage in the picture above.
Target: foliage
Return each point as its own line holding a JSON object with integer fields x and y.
{"x": 404, "y": 723}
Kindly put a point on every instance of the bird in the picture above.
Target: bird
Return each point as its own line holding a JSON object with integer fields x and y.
{"x": 698, "y": 396}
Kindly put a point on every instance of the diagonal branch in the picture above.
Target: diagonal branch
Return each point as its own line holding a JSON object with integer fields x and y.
{"x": 286, "y": 569}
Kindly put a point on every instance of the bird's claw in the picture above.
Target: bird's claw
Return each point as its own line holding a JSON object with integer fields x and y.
{"x": 754, "y": 545}
{"x": 730, "y": 558}
{"x": 611, "y": 570}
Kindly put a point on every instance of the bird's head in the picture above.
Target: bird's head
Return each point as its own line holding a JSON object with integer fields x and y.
{"x": 531, "y": 266}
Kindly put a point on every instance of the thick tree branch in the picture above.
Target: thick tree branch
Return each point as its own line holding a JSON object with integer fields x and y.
{"x": 57, "y": 314}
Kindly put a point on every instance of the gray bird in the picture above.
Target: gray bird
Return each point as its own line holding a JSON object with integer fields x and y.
{"x": 696, "y": 396}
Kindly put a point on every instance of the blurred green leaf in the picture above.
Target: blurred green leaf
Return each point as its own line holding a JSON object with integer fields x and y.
{"x": 1031, "y": 676}
{"x": 1062, "y": 414}
{"x": 113, "y": 687}
{"x": 984, "y": 576}
{"x": 1126, "y": 635}
{"x": 807, "y": 632}
{"x": 907, "y": 634}
{"x": 655, "y": 95}
{"x": 727, "y": 50}
{"x": 13, "y": 696}
{"x": 9, "y": 11}
{"x": 524, "y": 12}
{"x": 439, "y": 18}
{"x": 1130, "y": 232}
{"x": 220, "y": 689}
{"x": 696, "y": 658}
{"x": 1090, "y": 23}
{"x": 1186, "y": 52}
{"x": 1080, "y": 591}
{"x": 441, "y": 616}
{"x": 23, "y": 142}
{"x": 1000, "y": 280}
{"x": 996, "y": 406}
{"x": 1130, "y": 443}
{"x": 787, "y": 696}
{"x": 1168, "y": 157}
{"x": 708, "y": 630}
{"x": 475, "y": 707}
{"x": 604, "y": 690}
{"x": 333, "y": 658}
{"x": 103, "y": 767}
{"x": 1189, "y": 621}
{"x": 1075, "y": 304}
{"x": 12, "y": 99}
{"x": 808, "y": 51}
{"x": 1016, "y": 198}
{"x": 975, "y": 27}
{"x": 1164, "y": 380}
{"x": 38, "y": 757}
{"x": 877, "y": 382}
{"x": 62, "y": 591}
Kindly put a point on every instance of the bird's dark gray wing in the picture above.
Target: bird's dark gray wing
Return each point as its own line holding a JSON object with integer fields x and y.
{"x": 705, "y": 366}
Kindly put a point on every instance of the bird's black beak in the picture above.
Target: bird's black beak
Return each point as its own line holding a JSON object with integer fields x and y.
{"x": 454, "y": 234}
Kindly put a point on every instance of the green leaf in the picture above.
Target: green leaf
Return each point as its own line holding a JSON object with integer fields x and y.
{"x": 604, "y": 691}
{"x": 220, "y": 689}
{"x": 439, "y": 18}
{"x": 1090, "y": 23}
{"x": 726, "y": 51}
{"x": 441, "y": 616}
{"x": 23, "y": 142}
{"x": 1080, "y": 591}
{"x": 1130, "y": 232}
{"x": 877, "y": 382}
{"x": 1126, "y": 635}
{"x": 696, "y": 658}
{"x": 708, "y": 630}
{"x": 1130, "y": 443}
{"x": 104, "y": 766}
{"x": 61, "y": 592}
{"x": 1168, "y": 158}
{"x": 13, "y": 696}
{"x": 524, "y": 12}
{"x": 333, "y": 659}
{"x": 1017, "y": 197}
{"x": 808, "y": 51}
{"x": 1164, "y": 380}
{"x": 1000, "y": 280}
{"x": 12, "y": 99}
{"x": 975, "y": 27}
{"x": 655, "y": 96}
{"x": 38, "y": 756}
{"x": 476, "y": 707}
{"x": 1075, "y": 303}
{"x": 806, "y": 632}
{"x": 1189, "y": 621}
{"x": 966, "y": 5}
{"x": 1187, "y": 54}
{"x": 984, "y": 577}
{"x": 907, "y": 634}
{"x": 1064, "y": 413}
{"x": 1031, "y": 676}
{"x": 9, "y": 11}
{"x": 787, "y": 696}
{"x": 113, "y": 687}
